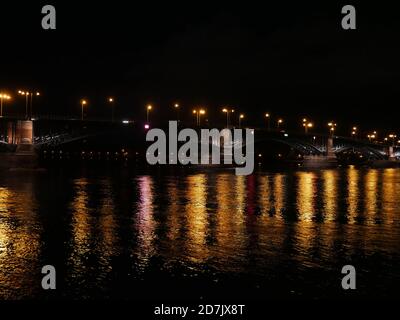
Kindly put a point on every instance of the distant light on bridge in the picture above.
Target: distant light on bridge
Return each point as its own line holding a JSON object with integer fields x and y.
{"x": 125, "y": 121}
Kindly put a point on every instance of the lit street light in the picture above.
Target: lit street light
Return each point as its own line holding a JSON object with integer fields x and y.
{"x": 28, "y": 94}
{"x": 148, "y": 109}
{"x": 227, "y": 111}
{"x": 371, "y": 136}
{"x": 240, "y": 120}
{"x": 201, "y": 112}
{"x": 3, "y": 96}
{"x": 198, "y": 114}
{"x": 176, "y": 106}
{"x": 111, "y": 101}
{"x": 83, "y": 103}
{"x": 307, "y": 125}
{"x": 393, "y": 137}
{"x": 279, "y": 123}
{"x": 197, "y": 117}
{"x": 354, "y": 132}
{"x": 332, "y": 127}
{"x": 268, "y": 116}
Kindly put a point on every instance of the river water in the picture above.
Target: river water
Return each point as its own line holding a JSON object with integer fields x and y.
{"x": 181, "y": 235}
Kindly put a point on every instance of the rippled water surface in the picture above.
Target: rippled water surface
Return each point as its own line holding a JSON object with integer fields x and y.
{"x": 184, "y": 235}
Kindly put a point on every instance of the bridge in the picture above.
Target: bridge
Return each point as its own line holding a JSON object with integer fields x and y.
{"x": 34, "y": 136}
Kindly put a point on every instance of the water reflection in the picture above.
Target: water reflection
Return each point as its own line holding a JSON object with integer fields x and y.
{"x": 390, "y": 195}
{"x": 353, "y": 197}
{"x": 330, "y": 190}
{"x": 196, "y": 217}
{"x": 144, "y": 221}
{"x": 371, "y": 195}
{"x": 20, "y": 245}
{"x": 306, "y": 191}
{"x": 279, "y": 193}
{"x": 209, "y": 224}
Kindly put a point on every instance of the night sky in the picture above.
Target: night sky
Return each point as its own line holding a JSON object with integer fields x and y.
{"x": 293, "y": 60}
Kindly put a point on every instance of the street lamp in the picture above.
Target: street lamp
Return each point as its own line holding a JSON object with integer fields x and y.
{"x": 197, "y": 117}
{"x": 354, "y": 132}
{"x": 83, "y": 103}
{"x": 176, "y": 106}
{"x": 372, "y": 136}
{"x": 279, "y": 123}
{"x": 227, "y": 111}
{"x": 3, "y": 96}
{"x": 28, "y": 94}
{"x": 240, "y": 120}
{"x": 268, "y": 116}
{"x": 111, "y": 101}
{"x": 201, "y": 112}
{"x": 392, "y": 136}
{"x": 198, "y": 114}
{"x": 307, "y": 125}
{"x": 148, "y": 109}
{"x": 37, "y": 94}
{"x": 332, "y": 127}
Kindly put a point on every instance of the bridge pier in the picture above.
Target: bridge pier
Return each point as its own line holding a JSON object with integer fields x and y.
{"x": 391, "y": 154}
{"x": 20, "y": 133}
{"x": 323, "y": 161}
{"x": 329, "y": 148}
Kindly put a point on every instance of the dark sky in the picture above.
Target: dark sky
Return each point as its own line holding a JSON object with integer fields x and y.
{"x": 293, "y": 60}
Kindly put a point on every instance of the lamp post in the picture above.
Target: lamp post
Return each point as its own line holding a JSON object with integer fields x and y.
{"x": 393, "y": 136}
{"x": 279, "y": 123}
{"x": 3, "y": 96}
{"x": 176, "y": 106}
{"x": 28, "y": 94}
{"x": 198, "y": 113}
{"x": 227, "y": 111}
{"x": 240, "y": 120}
{"x": 111, "y": 101}
{"x": 148, "y": 109}
{"x": 37, "y": 94}
{"x": 354, "y": 132}
{"x": 268, "y": 116}
{"x": 201, "y": 112}
{"x": 307, "y": 125}
{"x": 332, "y": 127}
{"x": 83, "y": 103}
{"x": 197, "y": 117}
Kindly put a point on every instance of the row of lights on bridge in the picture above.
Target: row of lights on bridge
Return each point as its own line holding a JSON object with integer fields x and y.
{"x": 307, "y": 125}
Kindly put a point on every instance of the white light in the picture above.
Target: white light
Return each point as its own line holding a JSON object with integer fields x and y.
{"x": 125, "y": 121}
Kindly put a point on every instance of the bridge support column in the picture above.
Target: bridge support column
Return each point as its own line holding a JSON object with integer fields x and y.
{"x": 24, "y": 132}
{"x": 323, "y": 161}
{"x": 329, "y": 148}
{"x": 391, "y": 154}
{"x": 24, "y": 157}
